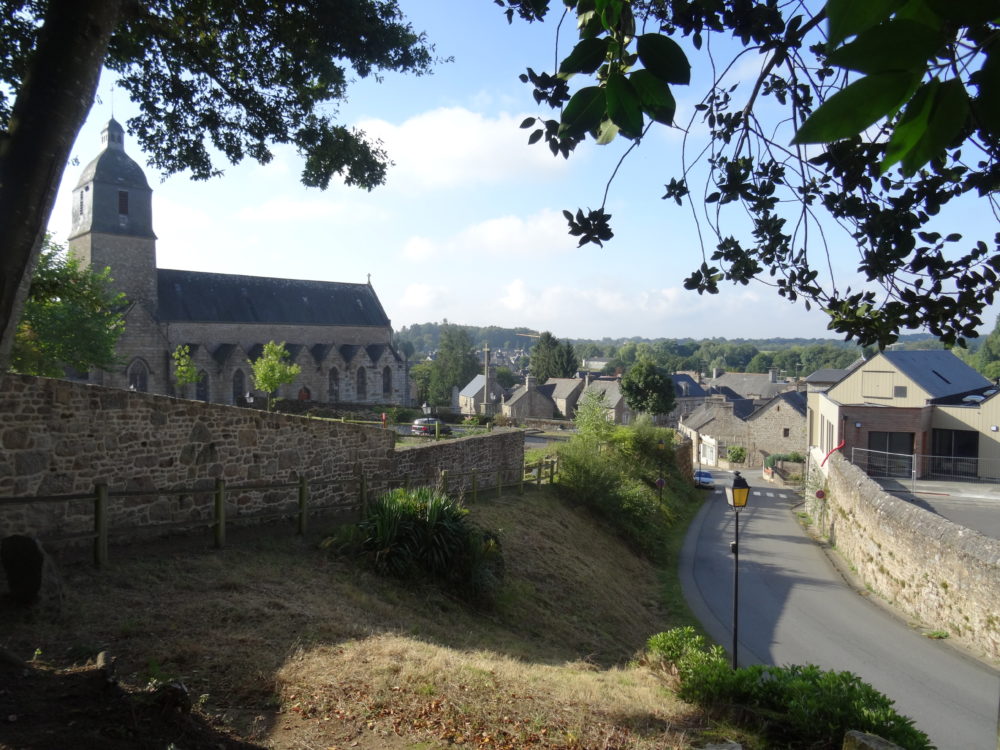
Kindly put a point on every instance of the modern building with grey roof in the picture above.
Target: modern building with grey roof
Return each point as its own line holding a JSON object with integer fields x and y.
{"x": 338, "y": 333}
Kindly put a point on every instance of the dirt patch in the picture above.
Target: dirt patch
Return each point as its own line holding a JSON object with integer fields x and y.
{"x": 43, "y": 707}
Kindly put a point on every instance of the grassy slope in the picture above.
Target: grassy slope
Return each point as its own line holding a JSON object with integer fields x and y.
{"x": 297, "y": 649}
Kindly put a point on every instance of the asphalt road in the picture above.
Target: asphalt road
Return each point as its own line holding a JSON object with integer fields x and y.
{"x": 796, "y": 608}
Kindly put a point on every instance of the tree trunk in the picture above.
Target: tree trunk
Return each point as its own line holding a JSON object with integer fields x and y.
{"x": 51, "y": 106}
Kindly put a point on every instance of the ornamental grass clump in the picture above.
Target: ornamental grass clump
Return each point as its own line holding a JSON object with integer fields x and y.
{"x": 424, "y": 534}
{"x": 795, "y": 706}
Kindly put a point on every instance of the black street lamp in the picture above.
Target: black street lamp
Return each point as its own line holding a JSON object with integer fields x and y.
{"x": 737, "y": 497}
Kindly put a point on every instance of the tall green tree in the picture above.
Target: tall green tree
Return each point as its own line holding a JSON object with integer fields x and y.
{"x": 593, "y": 418}
{"x": 454, "y": 366}
{"x": 273, "y": 369}
{"x": 878, "y": 113}
{"x": 185, "y": 371}
{"x": 552, "y": 358}
{"x": 72, "y": 318}
{"x": 648, "y": 389}
{"x": 987, "y": 358}
{"x": 211, "y": 77}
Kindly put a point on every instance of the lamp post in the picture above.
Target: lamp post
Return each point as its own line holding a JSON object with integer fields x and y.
{"x": 426, "y": 409}
{"x": 737, "y": 497}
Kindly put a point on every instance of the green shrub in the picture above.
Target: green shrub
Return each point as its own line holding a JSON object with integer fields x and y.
{"x": 796, "y": 706}
{"x": 424, "y": 533}
{"x": 612, "y": 481}
{"x": 796, "y": 457}
{"x": 737, "y": 454}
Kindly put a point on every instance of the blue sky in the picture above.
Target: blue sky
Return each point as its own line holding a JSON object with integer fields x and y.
{"x": 469, "y": 225}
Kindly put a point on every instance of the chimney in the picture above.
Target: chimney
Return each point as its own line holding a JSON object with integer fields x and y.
{"x": 529, "y": 382}
{"x": 773, "y": 373}
{"x": 715, "y": 373}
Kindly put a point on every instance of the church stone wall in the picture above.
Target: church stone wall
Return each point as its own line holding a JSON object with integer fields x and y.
{"x": 59, "y": 437}
{"x": 132, "y": 261}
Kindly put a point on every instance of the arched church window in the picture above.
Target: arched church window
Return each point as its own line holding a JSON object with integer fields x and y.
{"x": 362, "y": 391}
{"x": 123, "y": 202}
{"x": 387, "y": 382}
{"x": 334, "y": 394}
{"x": 138, "y": 376}
{"x": 201, "y": 389}
{"x": 239, "y": 386}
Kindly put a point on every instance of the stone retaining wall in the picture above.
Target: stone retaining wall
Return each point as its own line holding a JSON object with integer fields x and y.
{"x": 945, "y": 575}
{"x": 59, "y": 437}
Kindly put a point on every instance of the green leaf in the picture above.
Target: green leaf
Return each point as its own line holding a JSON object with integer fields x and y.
{"x": 849, "y": 17}
{"x": 606, "y": 132}
{"x": 942, "y": 110}
{"x": 965, "y": 12}
{"x": 664, "y": 58}
{"x": 987, "y": 104}
{"x": 623, "y": 105}
{"x": 584, "y": 112}
{"x": 610, "y": 12}
{"x": 654, "y": 95}
{"x": 893, "y": 46}
{"x": 855, "y": 107}
{"x": 586, "y": 56}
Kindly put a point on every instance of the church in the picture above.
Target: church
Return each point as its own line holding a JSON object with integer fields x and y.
{"x": 338, "y": 333}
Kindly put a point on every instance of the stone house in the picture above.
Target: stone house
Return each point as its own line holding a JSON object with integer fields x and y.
{"x": 910, "y": 412}
{"x": 338, "y": 333}
{"x": 477, "y": 398}
{"x": 530, "y": 401}
{"x": 752, "y": 385}
{"x": 565, "y": 394}
{"x": 610, "y": 391}
{"x": 688, "y": 396}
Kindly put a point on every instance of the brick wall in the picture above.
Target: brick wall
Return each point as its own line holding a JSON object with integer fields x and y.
{"x": 59, "y": 437}
{"x": 945, "y": 575}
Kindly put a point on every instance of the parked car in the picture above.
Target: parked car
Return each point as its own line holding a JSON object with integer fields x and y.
{"x": 429, "y": 426}
{"x": 704, "y": 478}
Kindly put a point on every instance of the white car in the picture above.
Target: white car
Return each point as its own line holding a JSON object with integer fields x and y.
{"x": 704, "y": 478}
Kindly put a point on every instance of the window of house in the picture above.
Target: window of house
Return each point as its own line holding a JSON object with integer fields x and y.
{"x": 362, "y": 390}
{"x": 334, "y": 388}
{"x": 899, "y": 391}
{"x": 201, "y": 388}
{"x": 387, "y": 382}
{"x": 239, "y": 387}
{"x": 81, "y": 203}
{"x": 785, "y": 432}
{"x": 123, "y": 202}
{"x": 138, "y": 376}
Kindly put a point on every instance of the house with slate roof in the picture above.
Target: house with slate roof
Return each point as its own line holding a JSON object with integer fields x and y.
{"x": 338, "y": 333}
{"x": 906, "y": 412}
{"x": 475, "y": 395}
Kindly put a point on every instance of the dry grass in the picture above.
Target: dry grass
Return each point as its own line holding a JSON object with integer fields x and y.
{"x": 297, "y": 649}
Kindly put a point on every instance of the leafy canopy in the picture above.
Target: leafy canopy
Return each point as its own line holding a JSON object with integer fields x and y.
{"x": 552, "y": 358}
{"x": 903, "y": 95}
{"x": 185, "y": 370}
{"x": 72, "y": 318}
{"x": 647, "y": 388}
{"x": 453, "y": 367}
{"x": 273, "y": 369}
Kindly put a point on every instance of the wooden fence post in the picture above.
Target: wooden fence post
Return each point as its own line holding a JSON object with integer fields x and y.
{"x": 303, "y": 501}
{"x": 220, "y": 513}
{"x": 101, "y": 524}
{"x": 538, "y": 474}
{"x": 552, "y": 472}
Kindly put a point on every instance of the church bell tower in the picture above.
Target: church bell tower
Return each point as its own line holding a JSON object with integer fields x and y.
{"x": 113, "y": 220}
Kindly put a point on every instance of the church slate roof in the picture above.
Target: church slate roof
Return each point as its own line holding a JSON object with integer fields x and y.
{"x": 198, "y": 297}
{"x": 113, "y": 166}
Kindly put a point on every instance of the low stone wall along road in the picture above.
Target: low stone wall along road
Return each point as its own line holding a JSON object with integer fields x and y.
{"x": 797, "y": 608}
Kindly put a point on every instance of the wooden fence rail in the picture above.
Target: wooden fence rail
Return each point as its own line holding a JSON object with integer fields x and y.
{"x": 537, "y": 472}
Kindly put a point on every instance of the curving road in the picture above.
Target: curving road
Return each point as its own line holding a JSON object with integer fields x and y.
{"x": 795, "y": 608}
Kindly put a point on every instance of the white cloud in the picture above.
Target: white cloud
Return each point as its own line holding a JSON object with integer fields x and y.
{"x": 421, "y": 299}
{"x": 455, "y": 147}
{"x": 538, "y": 236}
{"x": 292, "y": 208}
